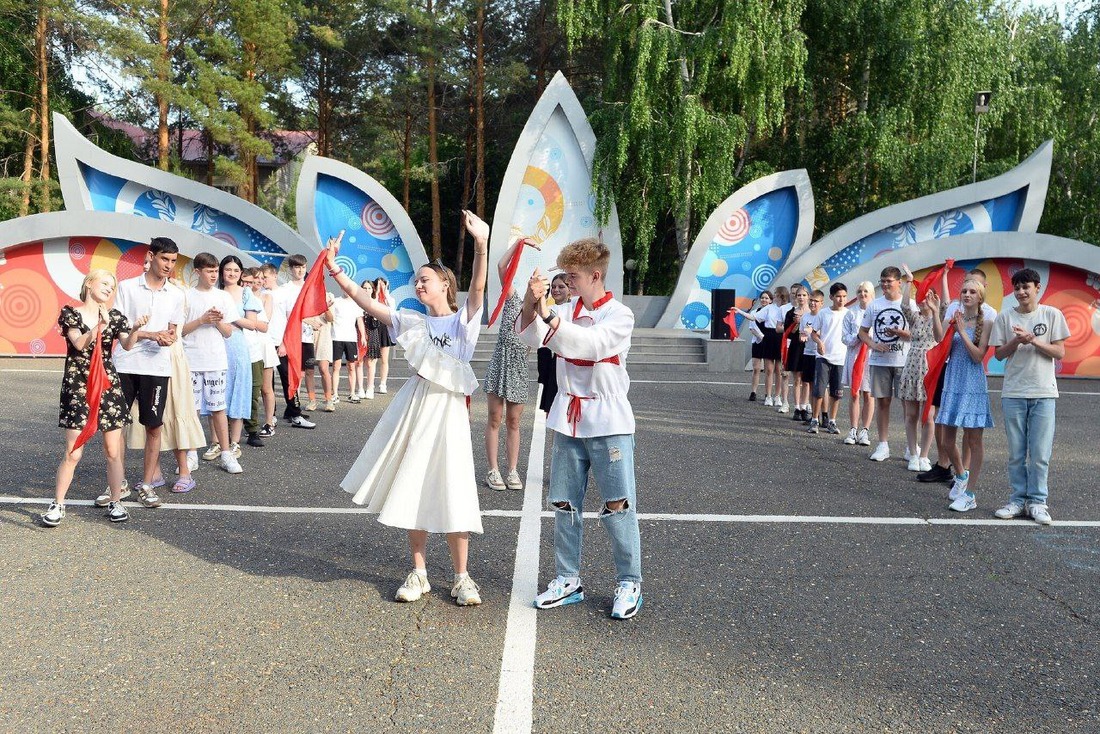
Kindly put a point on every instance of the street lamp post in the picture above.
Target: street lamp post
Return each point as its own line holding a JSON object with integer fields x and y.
{"x": 981, "y": 106}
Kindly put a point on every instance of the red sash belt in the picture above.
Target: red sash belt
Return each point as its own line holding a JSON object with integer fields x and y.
{"x": 573, "y": 412}
{"x": 613, "y": 359}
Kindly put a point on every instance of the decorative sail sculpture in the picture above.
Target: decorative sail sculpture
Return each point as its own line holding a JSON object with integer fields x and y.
{"x": 742, "y": 245}
{"x": 547, "y": 194}
{"x": 380, "y": 240}
{"x": 94, "y": 180}
{"x": 44, "y": 258}
{"x": 1011, "y": 202}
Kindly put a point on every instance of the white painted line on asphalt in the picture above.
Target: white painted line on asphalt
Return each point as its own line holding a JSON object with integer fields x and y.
{"x": 516, "y": 687}
{"x": 652, "y": 516}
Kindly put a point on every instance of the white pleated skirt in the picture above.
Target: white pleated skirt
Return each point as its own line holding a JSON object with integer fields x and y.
{"x": 417, "y": 468}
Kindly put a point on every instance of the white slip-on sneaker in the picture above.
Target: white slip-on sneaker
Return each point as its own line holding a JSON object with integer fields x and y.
{"x": 230, "y": 464}
{"x": 881, "y": 452}
{"x": 925, "y": 464}
{"x": 914, "y": 463}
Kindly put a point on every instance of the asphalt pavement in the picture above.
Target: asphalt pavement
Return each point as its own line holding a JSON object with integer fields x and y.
{"x": 790, "y": 585}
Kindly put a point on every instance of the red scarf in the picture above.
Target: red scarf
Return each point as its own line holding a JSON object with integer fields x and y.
{"x": 785, "y": 343}
{"x": 506, "y": 281}
{"x": 858, "y": 367}
{"x": 927, "y": 281}
{"x": 310, "y": 302}
{"x": 731, "y": 321}
{"x": 98, "y": 383}
{"x": 937, "y": 358}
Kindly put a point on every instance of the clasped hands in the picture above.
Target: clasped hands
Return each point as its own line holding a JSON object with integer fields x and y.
{"x": 535, "y": 297}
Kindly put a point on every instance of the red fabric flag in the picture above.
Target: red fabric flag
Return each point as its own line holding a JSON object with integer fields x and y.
{"x": 506, "y": 283}
{"x": 858, "y": 367}
{"x": 381, "y": 295}
{"x": 927, "y": 281}
{"x": 784, "y": 344}
{"x": 311, "y": 302}
{"x": 731, "y": 321}
{"x": 98, "y": 383}
{"x": 937, "y": 358}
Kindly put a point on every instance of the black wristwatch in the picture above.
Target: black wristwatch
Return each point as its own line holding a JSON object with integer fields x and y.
{"x": 549, "y": 319}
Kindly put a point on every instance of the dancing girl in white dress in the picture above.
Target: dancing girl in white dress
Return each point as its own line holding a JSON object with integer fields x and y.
{"x": 417, "y": 468}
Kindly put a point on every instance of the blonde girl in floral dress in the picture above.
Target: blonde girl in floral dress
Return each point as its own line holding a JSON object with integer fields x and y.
{"x": 79, "y": 325}
{"x": 921, "y": 338}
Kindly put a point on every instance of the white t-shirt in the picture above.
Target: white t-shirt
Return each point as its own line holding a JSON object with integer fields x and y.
{"x": 883, "y": 314}
{"x": 205, "y": 346}
{"x": 1029, "y": 373}
{"x": 771, "y": 315}
{"x": 805, "y": 326}
{"x": 134, "y": 299}
{"x": 344, "y": 313}
{"x": 283, "y": 299}
{"x": 829, "y": 324}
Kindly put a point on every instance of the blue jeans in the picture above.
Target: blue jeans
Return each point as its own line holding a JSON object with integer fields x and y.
{"x": 1029, "y": 424}
{"x": 611, "y": 459}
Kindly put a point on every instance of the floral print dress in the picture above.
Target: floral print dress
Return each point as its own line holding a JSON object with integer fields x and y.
{"x": 922, "y": 338}
{"x": 113, "y": 411}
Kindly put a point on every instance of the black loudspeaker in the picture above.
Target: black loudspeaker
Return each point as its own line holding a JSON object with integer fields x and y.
{"x": 721, "y": 301}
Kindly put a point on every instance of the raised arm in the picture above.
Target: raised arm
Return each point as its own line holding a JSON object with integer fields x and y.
{"x": 479, "y": 230}
{"x": 350, "y": 287}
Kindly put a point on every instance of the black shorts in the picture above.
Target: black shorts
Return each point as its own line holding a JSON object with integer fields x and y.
{"x": 808, "y": 368}
{"x": 150, "y": 391}
{"x": 827, "y": 377}
{"x": 939, "y": 389}
{"x": 309, "y": 356}
{"x": 771, "y": 344}
{"x": 348, "y": 351}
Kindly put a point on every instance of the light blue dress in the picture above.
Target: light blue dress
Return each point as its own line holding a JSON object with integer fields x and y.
{"x": 238, "y": 387}
{"x": 965, "y": 400}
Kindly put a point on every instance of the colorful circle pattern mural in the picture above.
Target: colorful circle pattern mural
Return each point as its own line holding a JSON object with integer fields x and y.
{"x": 372, "y": 247}
{"x": 746, "y": 254}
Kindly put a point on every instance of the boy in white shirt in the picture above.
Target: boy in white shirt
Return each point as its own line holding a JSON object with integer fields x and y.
{"x": 827, "y": 333}
{"x": 881, "y": 330}
{"x": 593, "y": 421}
{"x": 1030, "y": 337}
{"x": 209, "y": 323}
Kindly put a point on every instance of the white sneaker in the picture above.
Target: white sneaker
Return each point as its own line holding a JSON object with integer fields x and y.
{"x": 925, "y": 463}
{"x": 864, "y": 439}
{"x": 369, "y": 394}
{"x": 235, "y": 449}
{"x": 1009, "y": 511}
{"x": 362, "y": 394}
{"x": 330, "y": 405}
{"x": 964, "y": 503}
{"x": 768, "y": 402}
{"x": 382, "y": 389}
{"x": 213, "y": 452}
{"x": 512, "y": 481}
{"x": 914, "y": 463}
{"x": 959, "y": 487}
{"x": 53, "y": 516}
{"x": 881, "y": 452}
{"x": 783, "y": 407}
{"x": 907, "y": 454}
{"x": 300, "y": 422}
{"x": 1039, "y": 514}
{"x": 105, "y": 499}
{"x": 628, "y": 600}
{"x": 850, "y": 439}
{"x": 465, "y": 592}
{"x": 230, "y": 464}
{"x": 415, "y": 586}
{"x": 561, "y": 591}
{"x": 493, "y": 480}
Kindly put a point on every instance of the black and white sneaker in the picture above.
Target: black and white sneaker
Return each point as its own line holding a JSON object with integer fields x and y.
{"x": 267, "y": 431}
{"x": 117, "y": 513}
{"x": 560, "y": 592}
{"x": 53, "y": 516}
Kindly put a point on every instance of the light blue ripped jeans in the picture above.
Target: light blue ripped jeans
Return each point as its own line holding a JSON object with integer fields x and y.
{"x": 611, "y": 459}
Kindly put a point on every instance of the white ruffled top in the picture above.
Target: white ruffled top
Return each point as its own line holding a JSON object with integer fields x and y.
{"x": 439, "y": 348}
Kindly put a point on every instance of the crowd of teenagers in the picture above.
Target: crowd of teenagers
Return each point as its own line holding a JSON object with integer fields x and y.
{"x": 882, "y": 348}
{"x": 172, "y": 354}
